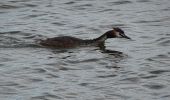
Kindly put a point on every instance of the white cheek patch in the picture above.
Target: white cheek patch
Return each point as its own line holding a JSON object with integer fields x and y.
{"x": 118, "y": 34}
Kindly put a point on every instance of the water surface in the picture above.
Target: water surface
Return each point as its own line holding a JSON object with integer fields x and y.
{"x": 140, "y": 72}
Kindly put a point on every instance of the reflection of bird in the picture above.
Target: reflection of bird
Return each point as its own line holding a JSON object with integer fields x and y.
{"x": 70, "y": 42}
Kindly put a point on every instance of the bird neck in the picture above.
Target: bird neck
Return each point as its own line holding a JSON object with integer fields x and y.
{"x": 98, "y": 40}
{"x": 101, "y": 38}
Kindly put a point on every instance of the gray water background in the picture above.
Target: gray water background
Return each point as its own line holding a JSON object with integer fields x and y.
{"x": 29, "y": 72}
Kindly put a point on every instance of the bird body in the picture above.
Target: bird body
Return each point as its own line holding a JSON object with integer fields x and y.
{"x": 70, "y": 42}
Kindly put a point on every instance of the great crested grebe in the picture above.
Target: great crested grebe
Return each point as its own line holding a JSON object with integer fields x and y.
{"x": 70, "y": 42}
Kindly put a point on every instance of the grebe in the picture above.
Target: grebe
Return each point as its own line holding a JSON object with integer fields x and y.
{"x": 70, "y": 42}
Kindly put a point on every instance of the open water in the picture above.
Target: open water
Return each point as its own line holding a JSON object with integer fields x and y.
{"x": 137, "y": 69}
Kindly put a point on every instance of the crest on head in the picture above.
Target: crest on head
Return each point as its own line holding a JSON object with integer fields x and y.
{"x": 119, "y": 33}
{"x": 117, "y": 29}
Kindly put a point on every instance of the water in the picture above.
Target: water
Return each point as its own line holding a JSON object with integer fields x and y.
{"x": 30, "y": 72}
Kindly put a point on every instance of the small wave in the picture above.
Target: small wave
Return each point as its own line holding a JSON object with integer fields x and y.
{"x": 83, "y": 6}
{"x": 82, "y": 61}
{"x": 149, "y": 76}
{"x": 106, "y": 10}
{"x": 121, "y": 2}
{"x": 45, "y": 96}
{"x": 15, "y": 5}
{"x": 3, "y": 6}
{"x": 147, "y": 21}
{"x": 8, "y": 91}
{"x": 20, "y": 46}
{"x": 112, "y": 25}
{"x": 16, "y": 43}
{"x": 8, "y": 84}
{"x": 107, "y": 76}
{"x": 59, "y": 23}
{"x": 143, "y": 0}
{"x": 166, "y": 96}
{"x": 160, "y": 58}
{"x": 164, "y": 41}
{"x": 33, "y": 16}
{"x": 159, "y": 71}
{"x": 18, "y": 39}
{"x": 69, "y": 3}
{"x": 30, "y": 5}
{"x": 83, "y": 84}
{"x": 11, "y": 32}
{"x": 154, "y": 86}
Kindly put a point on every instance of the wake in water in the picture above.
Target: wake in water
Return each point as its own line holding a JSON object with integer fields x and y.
{"x": 18, "y": 39}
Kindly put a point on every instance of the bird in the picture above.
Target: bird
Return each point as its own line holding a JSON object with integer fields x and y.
{"x": 72, "y": 42}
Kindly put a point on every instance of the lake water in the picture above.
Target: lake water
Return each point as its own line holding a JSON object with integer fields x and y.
{"x": 30, "y": 72}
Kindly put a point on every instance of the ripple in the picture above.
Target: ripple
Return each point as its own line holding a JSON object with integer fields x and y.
{"x": 8, "y": 84}
{"x": 83, "y": 61}
{"x": 58, "y": 23}
{"x": 39, "y": 70}
{"x": 70, "y": 2}
{"x": 18, "y": 39}
{"x": 61, "y": 68}
{"x": 32, "y": 16}
{"x": 160, "y": 58}
{"x": 51, "y": 75}
{"x": 154, "y": 86}
{"x": 89, "y": 60}
{"x": 106, "y": 10}
{"x": 147, "y": 21}
{"x": 35, "y": 80}
{"x": 65, "y": 68}
{"x": 16, "y": 1}
{"x": 166, "y": 96}
{"x": 83, "y": 6}
{"x": 149, "y": 76}
{"x": 143, "y": 0}
{"x": 106, "y": 76}
{"x": 8, "y": 91}
{"x": 112, "y": 25}
{"x": 8, "y": 6}
{"x": 11, "y": 32}
{"x": 84, "y": 84}
{"x": 115, "y": 53}
{"x": 46, "y": 96}
{"x": 121, "y": 2}
{"x": 15, "y": 34}
{"x": 4, "y": 59}
{"x": 131, "y": 79}
{"x": 159, "y": 71}
{"x": 163, "y": 41}
{"x": 30, "y": 5}
{"x": 113, "y": 66}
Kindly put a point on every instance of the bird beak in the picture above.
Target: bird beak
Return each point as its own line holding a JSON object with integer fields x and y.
{"x": 126, "y": 37}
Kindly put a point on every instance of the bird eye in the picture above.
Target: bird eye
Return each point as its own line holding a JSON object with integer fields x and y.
{"x": 122, "y": 34}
